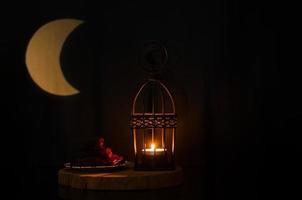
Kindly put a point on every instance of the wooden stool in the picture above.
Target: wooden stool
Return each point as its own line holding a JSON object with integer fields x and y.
{"x": 127, "y": 179}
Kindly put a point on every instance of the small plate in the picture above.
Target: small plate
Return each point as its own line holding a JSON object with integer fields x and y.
{"x": 99, "y": 167}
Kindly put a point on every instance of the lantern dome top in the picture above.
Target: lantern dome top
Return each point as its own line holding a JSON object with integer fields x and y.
{"x": 153, "y": 98}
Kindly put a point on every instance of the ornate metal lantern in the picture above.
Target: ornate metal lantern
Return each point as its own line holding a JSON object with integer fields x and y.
{"x": 153, "y": 125}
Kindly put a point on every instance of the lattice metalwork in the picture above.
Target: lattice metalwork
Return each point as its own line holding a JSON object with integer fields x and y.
{"x": 153, "y": 121}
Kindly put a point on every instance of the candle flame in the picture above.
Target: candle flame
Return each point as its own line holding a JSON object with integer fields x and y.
{"x": 152, "y": 147}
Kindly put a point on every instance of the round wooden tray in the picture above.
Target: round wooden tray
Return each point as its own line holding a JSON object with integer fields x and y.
{"x": 127, "y": 179}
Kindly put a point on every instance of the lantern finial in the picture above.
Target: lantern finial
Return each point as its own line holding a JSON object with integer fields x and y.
{"x": 154, "y": 57}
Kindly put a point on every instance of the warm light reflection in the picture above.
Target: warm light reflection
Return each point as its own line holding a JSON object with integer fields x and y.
{"x": 111, "y": 175}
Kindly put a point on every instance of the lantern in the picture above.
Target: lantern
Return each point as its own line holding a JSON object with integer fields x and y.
{"x": 153, "y": 123}
{"x": 153, "y": 117}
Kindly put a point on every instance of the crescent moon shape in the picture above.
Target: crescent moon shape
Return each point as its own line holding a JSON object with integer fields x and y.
{"x": 43, "y": 56}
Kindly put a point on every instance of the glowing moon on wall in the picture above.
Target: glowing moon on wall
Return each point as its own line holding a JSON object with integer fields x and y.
{"x": 43, "y": 56}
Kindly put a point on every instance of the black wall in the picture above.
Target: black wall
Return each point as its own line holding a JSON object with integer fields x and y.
{"x": 101, "y": 59}
{"x": 224, "y": 71}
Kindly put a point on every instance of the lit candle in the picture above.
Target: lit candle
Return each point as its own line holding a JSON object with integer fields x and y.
{"x": 154, "y": 151}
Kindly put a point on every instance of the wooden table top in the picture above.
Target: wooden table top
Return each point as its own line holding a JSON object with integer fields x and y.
{"x": 127, "y": 179}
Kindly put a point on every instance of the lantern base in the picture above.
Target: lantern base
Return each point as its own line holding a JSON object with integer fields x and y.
{"x": 153, "y": 163}
{"x": 151, "y": 166}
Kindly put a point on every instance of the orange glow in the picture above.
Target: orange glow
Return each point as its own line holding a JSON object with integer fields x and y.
{"x": 157, "y": 150}
{"x": 153, "y": 150}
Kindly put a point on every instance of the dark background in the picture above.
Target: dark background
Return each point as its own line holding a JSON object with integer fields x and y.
{"x": 238, "y": 122}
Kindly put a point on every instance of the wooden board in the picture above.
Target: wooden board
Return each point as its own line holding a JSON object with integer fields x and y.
{"x": 127, "y": 179}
